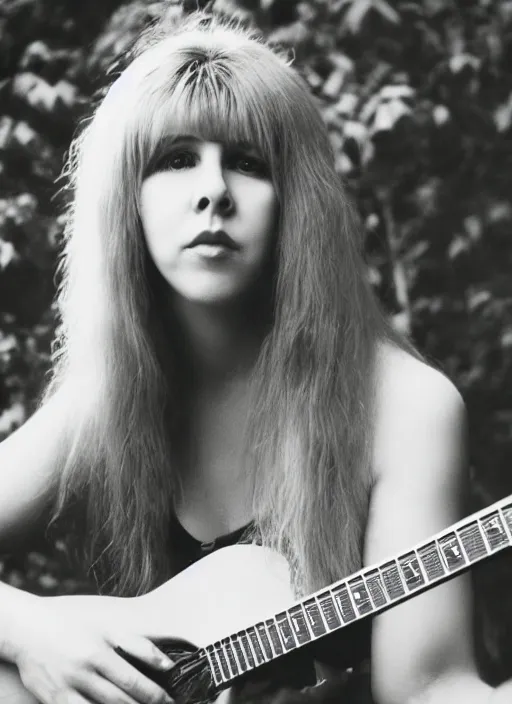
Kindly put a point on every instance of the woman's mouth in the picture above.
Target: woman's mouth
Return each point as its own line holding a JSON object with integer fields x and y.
{"x": 211, "y": 251}
{"x": 212, "y": 244}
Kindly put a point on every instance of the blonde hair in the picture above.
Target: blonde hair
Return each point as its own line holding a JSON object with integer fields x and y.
{"x": 311, "y": 425}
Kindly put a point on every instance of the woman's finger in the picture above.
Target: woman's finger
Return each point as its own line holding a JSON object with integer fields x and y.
{"x": 119, "y": 672}
{"x": 143, "y": 649}
{"x": 96, "y": 688}
{"x": 75, "y": 698}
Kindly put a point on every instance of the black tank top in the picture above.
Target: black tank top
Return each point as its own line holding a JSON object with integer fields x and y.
{"x": 186, "y": 549}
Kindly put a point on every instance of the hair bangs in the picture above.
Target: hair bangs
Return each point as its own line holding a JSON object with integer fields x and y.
{"x": 210, "y": 102}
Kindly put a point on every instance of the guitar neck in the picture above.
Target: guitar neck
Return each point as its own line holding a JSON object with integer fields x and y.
{"x": 366, "y": 592}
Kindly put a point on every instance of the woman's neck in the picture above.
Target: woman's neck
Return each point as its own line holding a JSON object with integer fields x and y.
{"x": 221, "y": 342}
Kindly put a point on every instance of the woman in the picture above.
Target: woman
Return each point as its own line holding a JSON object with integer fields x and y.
{"x": 223, "y": 363}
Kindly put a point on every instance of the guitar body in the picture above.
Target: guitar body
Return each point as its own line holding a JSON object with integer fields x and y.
{"x": 223, "y": 593}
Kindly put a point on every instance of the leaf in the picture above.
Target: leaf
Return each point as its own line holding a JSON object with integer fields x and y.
{"x": 402, "y": 322}
{"x": 7, "y": 254}
{"x": 461, "y": 61}
{"x": 12, "y": 418}
{"x": 355, "y": 130}
{"x": 66, "y": 93}
{"x": 459, "y": 245}
{"x": 36, "y": 53}
{"x": 346, "y": 104}
{"x": 35, "y": 91}
{"x": 440, "y": 114}
{"x": 400, "y": 91}
{"x": 24, "y": 136}
{"x": 374, "y": 276}
{"x": 333, "y": 85}
{"x": 506, "y": 338}
{"x": 477, "y": 299}
{"x": 386, "y": 11}
{"x": 388, "y": 114}
{"x": 503, "y": 115}
{"x": 357, "y": 12}
{"x": 343, "y": 163}
{"x": 499, "y": 211}
{"x": 474, "y": 227}
{"x": 356, "y": 15}
{"x": 47, "y": 581}
{"x": 417, "y": 251}
{"x": 6, "y": 125}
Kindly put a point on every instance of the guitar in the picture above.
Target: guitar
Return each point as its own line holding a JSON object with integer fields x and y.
{"x": 242, "y": 614}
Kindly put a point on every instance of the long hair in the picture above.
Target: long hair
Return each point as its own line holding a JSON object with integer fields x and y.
{"x": 310, "y": 430}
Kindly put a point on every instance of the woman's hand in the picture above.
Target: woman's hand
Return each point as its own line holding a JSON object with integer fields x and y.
{"x": 65, "y": 651}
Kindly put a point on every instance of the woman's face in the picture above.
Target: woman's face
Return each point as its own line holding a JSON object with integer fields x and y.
{"x": 197, "y": 186}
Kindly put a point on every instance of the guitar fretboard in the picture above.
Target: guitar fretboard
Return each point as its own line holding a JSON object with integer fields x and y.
{"x": 366, "y": 592}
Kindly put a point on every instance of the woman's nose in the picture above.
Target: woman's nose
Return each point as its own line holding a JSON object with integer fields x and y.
{"x": 212, "y": 191}
{"x": 223, "y": 205}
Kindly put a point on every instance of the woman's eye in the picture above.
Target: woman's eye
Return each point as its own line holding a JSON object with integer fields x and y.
{"x": 176, "y": 161}
{"x": 185, "y": 159}
{"x": 250, "y": 165}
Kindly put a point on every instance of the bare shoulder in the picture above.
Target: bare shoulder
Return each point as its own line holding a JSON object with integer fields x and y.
{"x": 417, "y": 408}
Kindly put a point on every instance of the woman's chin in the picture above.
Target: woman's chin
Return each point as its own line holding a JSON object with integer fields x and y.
{"x": 212, "y": 296}
{"x": 210, "y": 290}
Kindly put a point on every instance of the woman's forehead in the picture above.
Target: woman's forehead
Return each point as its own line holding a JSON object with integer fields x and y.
{"x": 232, "y": 134}
{"x": 229, "y": 142}
{"x": 197, "y": 110}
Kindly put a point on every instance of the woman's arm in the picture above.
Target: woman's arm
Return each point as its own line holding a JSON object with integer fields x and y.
{"x": 28, "y": 480}
{"x": 29, "y": 463}
{"x": 12, "y": 601}
{"x": 422, "y": 650}
{"x": 63, "y": 647}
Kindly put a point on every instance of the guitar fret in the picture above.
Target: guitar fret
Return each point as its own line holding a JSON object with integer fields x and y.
{"x": 329, "y": 611}
{"x": 230, "y": 657}
{"x": 215, "y": 667}
{"x": 431, "y": 561}
{"x": 360, "y": 596}
{"x": 411, "y": 571}
{"x": 495, "y": 531}
{"x": 299, "y": 624}
{"x": 315, "y": 620}
{"x": 286, "y": 632}
{"x": 274, "y": 636}
{"x": 226, "y": 673}
{"x": 507, "y": 512}
{"x": 322, "y": 615}
{"x": 265, "y": 640}
{"x": 344, "y": 603}
{"x": 244, "y": 640}
{"x": 256, "y": 645}
{"x": 473, "y": 542}
{"x": 376, "y": 588}
{"x": 392, "y": 580}
{"x": 237, "y": 648}
{"x": 451, "y": 552}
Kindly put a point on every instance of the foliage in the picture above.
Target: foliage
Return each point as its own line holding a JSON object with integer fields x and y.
{"x": 418, "y": 100}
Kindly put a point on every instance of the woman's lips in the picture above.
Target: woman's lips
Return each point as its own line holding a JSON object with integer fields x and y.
{"x": 211, "y": 251}
{"x": 213, "y": 238}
